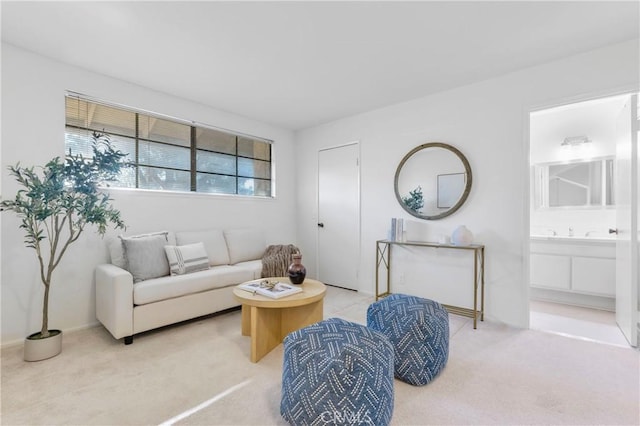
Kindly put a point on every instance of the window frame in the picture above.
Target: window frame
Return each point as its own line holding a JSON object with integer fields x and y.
{"x": 193, "y": 148}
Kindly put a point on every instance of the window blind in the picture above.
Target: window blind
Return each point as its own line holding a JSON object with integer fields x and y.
{"x": 172, "y": 155}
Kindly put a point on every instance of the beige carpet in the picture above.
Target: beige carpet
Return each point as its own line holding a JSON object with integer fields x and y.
{"x": 496, "y": 375}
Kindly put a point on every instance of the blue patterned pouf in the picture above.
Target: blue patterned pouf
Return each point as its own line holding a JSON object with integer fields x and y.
{"x": 419, "y": 331}
{"x": 337, "y": 372}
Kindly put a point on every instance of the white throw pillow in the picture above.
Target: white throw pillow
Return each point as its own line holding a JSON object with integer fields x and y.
{"x": 146, "y": 256}
{"x": 186, "y": 259}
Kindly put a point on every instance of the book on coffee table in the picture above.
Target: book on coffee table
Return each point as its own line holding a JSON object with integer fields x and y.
{"x": 273, "y": 289}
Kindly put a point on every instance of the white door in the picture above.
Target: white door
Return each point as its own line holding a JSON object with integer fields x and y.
{"x": 339, "y": 216}
{"x": 626, "y": 199}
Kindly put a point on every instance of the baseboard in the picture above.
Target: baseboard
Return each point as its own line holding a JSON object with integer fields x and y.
{"x": 575, "y": 299}
{"x": 14, "y": 343}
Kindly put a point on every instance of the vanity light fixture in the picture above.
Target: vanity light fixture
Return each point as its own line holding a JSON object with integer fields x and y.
{"x": 575, "y": 141}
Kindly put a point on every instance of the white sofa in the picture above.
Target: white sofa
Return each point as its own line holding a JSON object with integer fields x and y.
{"x": 137, "y": 291}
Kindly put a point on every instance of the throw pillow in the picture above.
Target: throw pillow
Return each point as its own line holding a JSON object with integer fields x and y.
{"x": 145, "y": 256}
{"x": 186, "y": 259}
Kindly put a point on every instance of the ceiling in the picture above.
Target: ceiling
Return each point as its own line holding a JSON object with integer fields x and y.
{"x": 300, "y": 64}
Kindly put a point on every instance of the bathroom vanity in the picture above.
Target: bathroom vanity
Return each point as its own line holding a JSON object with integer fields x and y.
{"x": 575, "y": 270}
{"x": 574, "y": 262}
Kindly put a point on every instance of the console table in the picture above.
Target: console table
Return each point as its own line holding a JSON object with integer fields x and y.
{"x": 383, "y": 256}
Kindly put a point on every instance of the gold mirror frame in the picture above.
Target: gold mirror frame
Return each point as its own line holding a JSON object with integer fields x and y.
{"x": 463, "y": 197}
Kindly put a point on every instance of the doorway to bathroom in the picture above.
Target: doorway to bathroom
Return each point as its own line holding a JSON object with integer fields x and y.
{"x": 578, "y": 265}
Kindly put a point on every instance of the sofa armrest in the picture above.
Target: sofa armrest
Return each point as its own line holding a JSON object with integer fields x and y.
{"x": 114, "y": 300}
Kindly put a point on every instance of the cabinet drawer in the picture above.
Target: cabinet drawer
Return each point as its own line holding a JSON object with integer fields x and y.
{"x": 594, "y": 275}
{"x": 551, "y": 271}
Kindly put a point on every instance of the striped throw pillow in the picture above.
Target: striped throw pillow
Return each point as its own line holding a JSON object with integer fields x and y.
{"x": 186, "y": 259}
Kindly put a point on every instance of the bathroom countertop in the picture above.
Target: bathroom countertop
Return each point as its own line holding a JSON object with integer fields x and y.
{"x": 577, "y": 239}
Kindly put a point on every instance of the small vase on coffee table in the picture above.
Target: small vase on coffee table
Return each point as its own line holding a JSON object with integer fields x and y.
{"x": 296, "y": 271}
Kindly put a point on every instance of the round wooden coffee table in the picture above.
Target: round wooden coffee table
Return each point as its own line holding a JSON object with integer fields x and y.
{"x": 269, "y": 320}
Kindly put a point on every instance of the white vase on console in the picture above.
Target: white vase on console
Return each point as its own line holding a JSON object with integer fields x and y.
{"x": 461, "y": 236}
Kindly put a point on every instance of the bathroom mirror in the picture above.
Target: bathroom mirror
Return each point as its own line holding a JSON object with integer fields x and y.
{"x": 581, "y": 183}
{"x": 433, "y": 181}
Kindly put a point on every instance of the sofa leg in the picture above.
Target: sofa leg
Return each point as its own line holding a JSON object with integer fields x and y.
{"x": 128, "y": 340}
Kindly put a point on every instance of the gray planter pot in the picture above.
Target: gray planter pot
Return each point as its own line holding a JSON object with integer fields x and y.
{"x": 39, "y": 349}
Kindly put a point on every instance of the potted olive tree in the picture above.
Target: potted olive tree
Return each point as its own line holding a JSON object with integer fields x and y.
{"x": 55, "y": 204}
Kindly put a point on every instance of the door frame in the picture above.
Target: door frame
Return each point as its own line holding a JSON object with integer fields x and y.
{"x": 358, "y": 206}
{"x": 526, "y": 171}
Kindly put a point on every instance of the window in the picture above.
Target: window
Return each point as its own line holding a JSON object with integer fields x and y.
{"x": 171, "y": 155}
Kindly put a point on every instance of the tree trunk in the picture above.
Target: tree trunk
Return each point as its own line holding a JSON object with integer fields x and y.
{"x": 44, "y": 332}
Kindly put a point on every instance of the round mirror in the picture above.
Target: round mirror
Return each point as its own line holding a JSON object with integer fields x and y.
{"x": 433, "y": 180}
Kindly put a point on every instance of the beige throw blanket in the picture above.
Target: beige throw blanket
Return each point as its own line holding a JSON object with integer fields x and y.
{"x": 276, "y": 260}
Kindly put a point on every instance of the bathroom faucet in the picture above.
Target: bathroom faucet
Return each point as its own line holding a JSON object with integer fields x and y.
{"x": 570, "y": 231}
{"x": 553, "y": 232}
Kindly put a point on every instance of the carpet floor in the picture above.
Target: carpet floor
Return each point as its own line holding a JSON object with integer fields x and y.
{"x": 199, "y": 373}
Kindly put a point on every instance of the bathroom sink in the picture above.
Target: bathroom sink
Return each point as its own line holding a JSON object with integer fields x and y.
{"x": 582, "y": 238}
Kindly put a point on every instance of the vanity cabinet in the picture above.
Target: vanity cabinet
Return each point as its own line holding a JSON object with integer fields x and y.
{"x": 594, "y": 275}
{"x": 577, "y": 266}
{"x": 551, "y": 271}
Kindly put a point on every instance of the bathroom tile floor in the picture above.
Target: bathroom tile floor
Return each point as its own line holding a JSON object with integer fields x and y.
{"x": 574, "y": 321}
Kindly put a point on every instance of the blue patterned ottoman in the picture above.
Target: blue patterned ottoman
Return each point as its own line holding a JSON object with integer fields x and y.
{"x": 337, "y": 372}
{"x": 419, "y": 331}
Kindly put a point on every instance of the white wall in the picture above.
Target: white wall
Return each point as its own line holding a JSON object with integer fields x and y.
{"x": 488, "y": 122}
{"x": 595, "y": 119}
{"x": 33, "y": 90}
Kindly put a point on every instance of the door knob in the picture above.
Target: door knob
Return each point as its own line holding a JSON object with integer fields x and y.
{"x": 321, "y": 225}
{"x": 613, "y": 231}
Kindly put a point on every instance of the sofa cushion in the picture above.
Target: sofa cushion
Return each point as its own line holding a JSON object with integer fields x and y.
{"x": 214, "y": 244}
{"x": 254, "y": 266}
{"x": 145, "y": 256}
{"x": 187, "y": 259}
{"x": 179, "y": 285}
{"x": 244, "y": 244}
